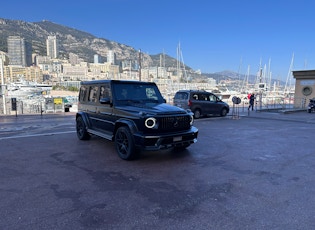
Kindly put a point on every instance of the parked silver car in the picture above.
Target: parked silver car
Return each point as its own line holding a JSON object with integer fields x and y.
{"x": 201, "y": 103}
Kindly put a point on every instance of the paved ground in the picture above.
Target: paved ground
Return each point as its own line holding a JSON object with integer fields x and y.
{"x": 247, "y": 171}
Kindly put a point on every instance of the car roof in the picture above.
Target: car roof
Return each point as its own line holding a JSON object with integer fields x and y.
{"x": 95, "y": 82}
{"x": 192, "y": 91}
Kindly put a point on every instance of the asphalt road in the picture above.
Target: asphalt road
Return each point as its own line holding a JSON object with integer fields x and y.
{"x": 245, "y": 172}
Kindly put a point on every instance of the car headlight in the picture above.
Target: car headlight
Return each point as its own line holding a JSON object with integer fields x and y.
{"x": 150, "y": 122}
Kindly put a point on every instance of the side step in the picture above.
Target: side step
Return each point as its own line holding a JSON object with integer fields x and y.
{"x": 100, "y": 134}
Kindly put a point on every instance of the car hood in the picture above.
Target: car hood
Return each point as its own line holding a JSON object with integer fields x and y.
{"x": 152, "y": 108}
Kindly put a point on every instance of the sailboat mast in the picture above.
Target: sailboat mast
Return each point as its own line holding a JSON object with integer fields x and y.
{"x": 177, "y": 62}
{"x": 180, "y": 61}
{"x": 289, "y": 75}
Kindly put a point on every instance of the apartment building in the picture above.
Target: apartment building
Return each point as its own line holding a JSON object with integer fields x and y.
{"x": 52, "y": 47}
{"x": 19, "y": 51}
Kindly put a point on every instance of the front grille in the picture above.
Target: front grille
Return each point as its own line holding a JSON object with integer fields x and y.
{"x": 175, "y": 123}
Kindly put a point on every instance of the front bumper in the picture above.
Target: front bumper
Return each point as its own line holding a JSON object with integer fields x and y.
{"x": 169, "y": 140}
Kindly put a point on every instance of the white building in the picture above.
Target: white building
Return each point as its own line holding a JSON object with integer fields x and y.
{"x": 52, "y": 47}
{"x": 111, "y": 57}
{"x": 96, "y": 59}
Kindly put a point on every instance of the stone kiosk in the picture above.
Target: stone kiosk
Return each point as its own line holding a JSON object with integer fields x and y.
{"x": 304, "y": 87}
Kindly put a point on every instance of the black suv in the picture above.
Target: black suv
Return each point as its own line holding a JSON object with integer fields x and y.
{"x": 134, "y": 115}
{"x": 201, "y": 103}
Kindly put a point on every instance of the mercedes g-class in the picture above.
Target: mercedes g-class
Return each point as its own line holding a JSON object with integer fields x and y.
{"x": 134, "y": 115}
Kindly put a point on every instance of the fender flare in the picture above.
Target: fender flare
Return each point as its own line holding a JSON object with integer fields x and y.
{"x": 125, "y": 122}
{"x": 85, "y": 119}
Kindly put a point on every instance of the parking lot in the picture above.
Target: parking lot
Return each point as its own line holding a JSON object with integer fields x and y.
{"x": 253, "y": 171}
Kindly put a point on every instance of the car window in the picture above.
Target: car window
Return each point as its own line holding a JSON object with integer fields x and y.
{"x": 92, "y": 94}
{"x": 137, "y": 92}
{"x": 83, "y": 93}
{"x": 105, "y": 91}
{"x": 203, "y": 97}
{"x": 195, "y": 96}
{"x": 181, "y": 96}
{"x": 212, "y": 98}
{"x": 150, "y": 93}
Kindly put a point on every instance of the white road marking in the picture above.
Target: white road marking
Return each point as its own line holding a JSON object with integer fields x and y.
{"x": 35, "y": 135}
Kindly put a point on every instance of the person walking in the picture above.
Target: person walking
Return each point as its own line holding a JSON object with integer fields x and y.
{"x": 251, "y": 101}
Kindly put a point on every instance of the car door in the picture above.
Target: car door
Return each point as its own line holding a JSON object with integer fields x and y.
{"x": 214, "y": 105}
{"x": 105, "y": 109}
{"x": 91, "y": 106}
{"x": 205, "y": 103}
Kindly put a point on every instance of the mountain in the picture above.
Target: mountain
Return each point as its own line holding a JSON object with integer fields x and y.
{"x": 84, "y": 44}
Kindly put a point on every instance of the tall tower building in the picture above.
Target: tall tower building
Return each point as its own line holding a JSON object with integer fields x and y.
{"x": 111, "y": 57}
{"x": 52, "y": 47}
{"x": 18, "y": 51}
{"x": 96, "y": 59}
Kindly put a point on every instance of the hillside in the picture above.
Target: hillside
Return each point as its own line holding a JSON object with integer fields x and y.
{"x": 86, "y": 45}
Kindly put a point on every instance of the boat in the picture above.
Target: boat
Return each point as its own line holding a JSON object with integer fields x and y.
{"x": 24, "y": 88}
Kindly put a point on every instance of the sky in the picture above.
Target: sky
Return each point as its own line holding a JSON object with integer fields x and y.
{"x": 241, "y": 36}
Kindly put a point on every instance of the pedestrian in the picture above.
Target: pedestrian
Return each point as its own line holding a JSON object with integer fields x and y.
{"x": 251, "y": 101}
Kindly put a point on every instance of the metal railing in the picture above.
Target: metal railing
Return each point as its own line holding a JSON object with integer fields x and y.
{"x": 31, "y": 106}
{"x": 39, "y": 106}
{"x": 274, "y": 104}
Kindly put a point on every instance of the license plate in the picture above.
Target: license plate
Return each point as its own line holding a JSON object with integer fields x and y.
{"x": 177, "y": 138}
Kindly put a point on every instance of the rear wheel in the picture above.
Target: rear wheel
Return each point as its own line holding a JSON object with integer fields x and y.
{"x": 81, "y": 129}
{"x": 124, "y": 143}
{"x": 197, "y": 114}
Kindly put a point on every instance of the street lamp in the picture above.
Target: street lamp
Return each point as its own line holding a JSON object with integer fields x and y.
{"x": 2, "y": 86}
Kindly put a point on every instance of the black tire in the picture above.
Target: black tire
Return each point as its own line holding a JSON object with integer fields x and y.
{"x": 309, "y": 110}
{"x": 81, "y": 129}
{"x": 124, "y": 143}
{"x": 223, "y": 112}
{"x": 197, "y": 114}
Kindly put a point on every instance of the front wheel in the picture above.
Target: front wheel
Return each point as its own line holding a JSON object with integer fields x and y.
{"x": 223, "y": 112}
{"x": 124, "y": 143}
{"x": 81, "y": 129}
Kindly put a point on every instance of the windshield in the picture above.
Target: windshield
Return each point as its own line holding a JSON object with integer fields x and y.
{"x": 137, "y": 93}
